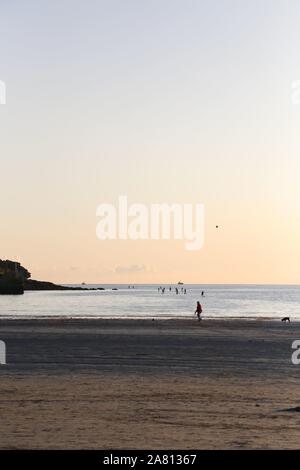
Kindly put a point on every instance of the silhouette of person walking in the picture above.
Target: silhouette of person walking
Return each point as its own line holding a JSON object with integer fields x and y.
{"x": 198, "y": 311}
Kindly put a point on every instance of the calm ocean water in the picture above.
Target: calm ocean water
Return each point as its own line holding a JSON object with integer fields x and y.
{"x": 220, "y": 301}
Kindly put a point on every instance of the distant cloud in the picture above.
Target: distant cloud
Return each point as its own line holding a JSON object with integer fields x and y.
{"x": 133, "y": 268}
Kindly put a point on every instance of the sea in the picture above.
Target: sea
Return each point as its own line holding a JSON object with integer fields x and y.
{"x": 146, "y": 301}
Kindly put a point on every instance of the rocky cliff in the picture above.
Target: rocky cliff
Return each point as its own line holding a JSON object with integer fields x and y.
{"x": 15, "y": 279}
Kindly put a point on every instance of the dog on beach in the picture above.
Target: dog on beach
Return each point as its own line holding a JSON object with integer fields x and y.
{"x": 286, "y": 319}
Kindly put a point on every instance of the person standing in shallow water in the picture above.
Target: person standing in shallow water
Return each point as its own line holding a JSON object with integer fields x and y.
{"x": 198, "y": 311}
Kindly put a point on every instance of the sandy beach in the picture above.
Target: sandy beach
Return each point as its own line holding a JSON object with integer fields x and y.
{"x": 142, "y": 384}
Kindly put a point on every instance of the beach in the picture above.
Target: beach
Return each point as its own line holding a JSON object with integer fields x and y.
{"x": 143, "y": 384}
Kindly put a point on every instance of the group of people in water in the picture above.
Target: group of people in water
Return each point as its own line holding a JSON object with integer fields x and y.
{"x": 176, "y": 289}
{"x": 162, "y": 290}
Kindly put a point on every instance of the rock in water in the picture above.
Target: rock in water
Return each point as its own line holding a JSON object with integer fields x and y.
{"x": 14, "y": 279}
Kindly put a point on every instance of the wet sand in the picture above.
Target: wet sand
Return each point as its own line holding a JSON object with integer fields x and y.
{"x": 142, "y": 384}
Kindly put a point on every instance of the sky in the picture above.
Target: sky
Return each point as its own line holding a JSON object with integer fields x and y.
{"x": 163, "y": 101}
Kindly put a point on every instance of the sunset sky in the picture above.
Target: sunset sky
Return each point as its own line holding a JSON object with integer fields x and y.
{"x": 163, "y": 101}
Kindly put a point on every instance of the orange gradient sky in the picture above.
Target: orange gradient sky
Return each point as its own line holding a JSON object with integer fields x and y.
{"x": 165, "y": 102}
